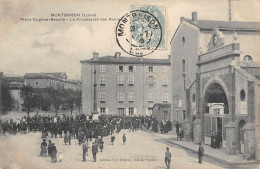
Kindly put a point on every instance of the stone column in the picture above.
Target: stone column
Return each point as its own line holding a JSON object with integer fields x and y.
{"x": 198, "y": 123}
{"x": 187, "y": 123}
{"x": 249, "y": 141}
{"x": 231, "y": 141}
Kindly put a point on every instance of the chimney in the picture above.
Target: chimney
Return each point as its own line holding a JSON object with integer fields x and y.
{"x": 194, "y": 17}
{"x": 95, "y": 55}
{"x": 117, "y": 54}
{"x": 181, "y": 19}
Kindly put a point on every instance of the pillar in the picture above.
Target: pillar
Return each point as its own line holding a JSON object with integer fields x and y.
{"x": 187, "y": 123}
{"x": 231, "y": 141}
{"x": 249, "y": 141}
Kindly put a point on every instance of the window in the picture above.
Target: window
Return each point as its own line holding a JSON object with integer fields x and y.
{"x": 165, "y": 80}
{"x": 121, "y": 68}
{"x": 120, "y": 97}
{"x": 102, "y": 79}
{"x": 102, "y": 111}
{"x": 131, "y": 80}
{"x": 183, "y": 40}
{"x": 184, "y": 82}
{"x": 193, "y": 98}
{"x": 242, "y": 95}
{"x": 150, "y": 97}
{"x": 150, "y": 80}
{"x": 120, "y": 80}
{"x": 131, "y": 111}
{"x": 183, "y": 66}
{"x": 150, "y": 69}
{"x": 165, "y": 97}
{"x": 131, "y": 68}
{"x": 102, "y": 68}
{"x": 102, "y": 97}
{"x": 248, "y": 58}
{"x": 130, "y": 97}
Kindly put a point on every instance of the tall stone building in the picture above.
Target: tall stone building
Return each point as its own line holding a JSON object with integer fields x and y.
{"x": 125, "y": 85}
{"x": 218, "y": 64}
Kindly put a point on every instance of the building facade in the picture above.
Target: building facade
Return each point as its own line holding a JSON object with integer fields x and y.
{"x": 191, "y": 39}
{"x": 218, "y": 64}
{"x": 56, "y": 80}
{"x": 125, "y": 85}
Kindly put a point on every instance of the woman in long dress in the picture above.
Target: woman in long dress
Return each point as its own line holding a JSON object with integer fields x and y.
{"x": 43, "y": 149}
{"x": 53, "y": 154}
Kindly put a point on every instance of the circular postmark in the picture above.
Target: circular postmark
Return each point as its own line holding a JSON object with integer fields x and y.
{"x": 138, "y": 33}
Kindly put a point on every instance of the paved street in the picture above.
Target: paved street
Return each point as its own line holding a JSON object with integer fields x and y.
{"x": 142, "y": 150}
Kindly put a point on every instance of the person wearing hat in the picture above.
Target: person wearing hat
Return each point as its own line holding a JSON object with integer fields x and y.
{"x": 54, "y": 153}
{"x": 49, "y": 148}
{"x": 168, "y": 156}
{"x": 43, "y": 149}
{"x": 200, "y": 152}
{"x": 94, "y": 151}
{"x": 85, "y": 149}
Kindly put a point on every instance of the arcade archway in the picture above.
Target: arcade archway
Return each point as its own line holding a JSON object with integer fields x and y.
{"x": 216, "y": 110}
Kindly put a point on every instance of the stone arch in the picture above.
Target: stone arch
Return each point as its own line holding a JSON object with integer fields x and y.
{"x": 240, "y": 124}
{"x": 210, "y": 82}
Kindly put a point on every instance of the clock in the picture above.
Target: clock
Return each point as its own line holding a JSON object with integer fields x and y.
{"x": 215, "y": 39}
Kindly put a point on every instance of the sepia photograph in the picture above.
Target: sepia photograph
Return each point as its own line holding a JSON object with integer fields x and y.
{"x": 129, "y": 84}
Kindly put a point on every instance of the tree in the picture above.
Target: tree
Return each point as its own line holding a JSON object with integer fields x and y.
{"x": 56, "y": 97}
{"x": 29, "y": 99}
{"x": 78, "y": 99}
{"x": 70, "y": 99}
{"x": 7, "y": 99}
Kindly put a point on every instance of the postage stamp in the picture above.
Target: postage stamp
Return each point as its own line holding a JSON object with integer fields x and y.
{"x": 159, "y": 11}
{"x": 139, "y": 33}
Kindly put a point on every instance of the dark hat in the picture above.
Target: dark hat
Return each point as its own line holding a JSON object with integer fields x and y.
{"x": 49, "y": 140}
{"x": 199, "y": 143}
{"x": 44, "y": 139}
{"x": 167, "y": 148}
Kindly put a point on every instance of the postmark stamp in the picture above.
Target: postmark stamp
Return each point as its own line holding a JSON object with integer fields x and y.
{"x": 139, "y": 33}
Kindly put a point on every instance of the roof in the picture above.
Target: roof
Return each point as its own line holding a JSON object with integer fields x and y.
{"x": 43, "y": 75}
{"x": 226, "y": 25}
{"x": 127, "y": 60}
{"x": 163, "y": 105}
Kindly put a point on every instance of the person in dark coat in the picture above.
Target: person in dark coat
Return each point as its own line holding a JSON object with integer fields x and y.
{"x": 124, "y": 139}
{"x": 112, "y": 139}
{"x": 200, "y": 152}
{"x": 53, "y": 154}
{"x": 168, "y": 158}
{"x": 66, "y": 138}
{"x": 101, "y": 145}
{"x": 94, "y": 151}
{"x": 43, "y": 149}
{"x": 49, "y": 148}
{"x": 85, "y": 150}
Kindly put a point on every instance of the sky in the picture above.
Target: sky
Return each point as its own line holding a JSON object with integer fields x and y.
{"x": 33, "y": 47}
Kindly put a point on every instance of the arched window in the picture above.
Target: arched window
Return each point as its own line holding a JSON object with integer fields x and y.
{"x": 183, "y": 66}
{"x": 242, "y": 95}
{"x": 248, "y": 58}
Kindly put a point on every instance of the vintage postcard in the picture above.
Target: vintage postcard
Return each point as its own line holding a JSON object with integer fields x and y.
{"x": 129, "y": 84}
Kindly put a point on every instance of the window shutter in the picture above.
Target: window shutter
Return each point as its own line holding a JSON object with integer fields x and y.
{"x": 133, "y": 79}
{"x": 154, "y": 69}
{"x": 127, "y": 111}
{"x": 135, "y": 111}
{"x": 117, "y": 68}
{"x": 118, "y": 79}
{"x": 105, "y": 80}
{"x": 98, "y": 110}
{"x": 154, "y": 80}
{"x": 147, "y": 69}
{"x": 134, "y": 68}
{"x": 122, "y": 79}
{"x": 107, "y": 111}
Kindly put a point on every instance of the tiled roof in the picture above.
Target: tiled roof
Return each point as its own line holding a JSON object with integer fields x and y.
{"x": 226, "y": 25}
{"x": 44, "y": 75}
{"x": 127, "y": 60}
